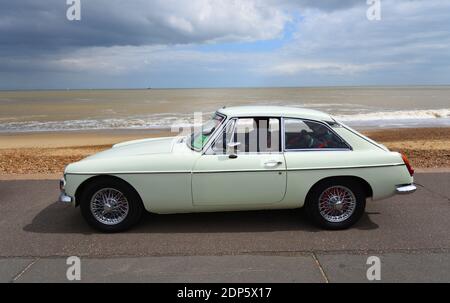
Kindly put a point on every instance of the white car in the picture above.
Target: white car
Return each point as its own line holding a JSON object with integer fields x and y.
{"x": 244, "y": 158}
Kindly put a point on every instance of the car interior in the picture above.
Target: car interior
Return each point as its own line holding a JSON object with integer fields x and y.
{"x": 300, "y": 134}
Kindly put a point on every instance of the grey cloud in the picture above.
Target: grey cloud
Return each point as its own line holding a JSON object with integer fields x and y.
{"x": 43, "y": 25}
{"x": 323, "y": 5}
{"x": 408, "y": 45}
{"x": 132, "y": 43}
{"x": 33, "y": 26}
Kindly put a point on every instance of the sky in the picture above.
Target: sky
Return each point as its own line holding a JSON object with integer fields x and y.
{"x": 223, "y": 43}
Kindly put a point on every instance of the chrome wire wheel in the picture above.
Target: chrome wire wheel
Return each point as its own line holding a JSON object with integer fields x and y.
{"x": 337, "y": 203}
{"x": 109, "y": 206}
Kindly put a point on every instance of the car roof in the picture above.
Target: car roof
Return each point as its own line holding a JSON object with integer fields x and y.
{"x": 275, "y": 111}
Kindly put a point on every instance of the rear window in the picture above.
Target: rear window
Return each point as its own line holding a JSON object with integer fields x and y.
{"x": 303, "y": 134}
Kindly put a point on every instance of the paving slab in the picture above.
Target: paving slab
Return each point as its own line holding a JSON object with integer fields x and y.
{"x": 243, "y": 268}
{"x": 394, "y": 267}
{"x": 438, "y": 183}
{"x": 11, "y": 267}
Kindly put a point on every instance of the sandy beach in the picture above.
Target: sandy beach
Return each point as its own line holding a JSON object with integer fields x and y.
{"x": 44, "y": 155}
{"x": 426, "y": 148}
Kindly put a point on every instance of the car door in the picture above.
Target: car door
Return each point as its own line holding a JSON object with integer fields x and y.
{"x": 254, "y": 173}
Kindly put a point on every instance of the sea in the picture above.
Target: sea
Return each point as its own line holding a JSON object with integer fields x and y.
{"x": 360, "y": 107}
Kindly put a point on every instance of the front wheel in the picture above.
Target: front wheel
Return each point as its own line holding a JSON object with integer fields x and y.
{"x": 336, "y": 204}
{"x": 110, "y": 205}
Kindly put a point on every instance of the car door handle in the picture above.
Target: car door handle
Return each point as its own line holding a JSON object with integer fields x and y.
{"x": 273, "y": 163}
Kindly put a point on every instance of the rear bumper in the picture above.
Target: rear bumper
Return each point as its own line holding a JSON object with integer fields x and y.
{"x": 405, "y": 189}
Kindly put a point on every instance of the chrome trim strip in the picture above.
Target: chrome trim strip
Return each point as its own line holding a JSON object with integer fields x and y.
{"x": 236, "y": 170}
{"x": 347, "y": 167}
{"x": 283, "y": 136}
{"x": 239, "y": 171}
{"x": 248, "y": 153}
{"x": 133, "y": 172}
{"x": 294, "y": 169}
{"x": 316, "y": 149}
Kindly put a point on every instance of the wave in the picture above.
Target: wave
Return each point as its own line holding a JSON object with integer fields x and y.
{"x": 398, "y": 115}
{"x": 154, "y": 121}
{"x": 408, "y": 118}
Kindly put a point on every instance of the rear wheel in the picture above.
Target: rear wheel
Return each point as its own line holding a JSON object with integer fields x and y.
{"x": 336, "y": 204}
{"x": 110, "y": 205}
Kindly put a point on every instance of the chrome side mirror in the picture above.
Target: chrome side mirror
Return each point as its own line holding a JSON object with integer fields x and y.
{"x": 232, "y": 149}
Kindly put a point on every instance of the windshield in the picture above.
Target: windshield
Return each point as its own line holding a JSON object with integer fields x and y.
{"x": 201, "y": 134}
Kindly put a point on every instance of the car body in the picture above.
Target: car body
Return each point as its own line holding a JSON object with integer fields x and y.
{"x": 218, "y": 168}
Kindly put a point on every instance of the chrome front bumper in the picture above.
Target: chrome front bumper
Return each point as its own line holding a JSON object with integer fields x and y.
{"x": 63, "y": 198}
{"x": 406, "y": 189}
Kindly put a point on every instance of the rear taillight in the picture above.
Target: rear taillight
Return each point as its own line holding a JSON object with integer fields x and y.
{"x": 408, "y": 165}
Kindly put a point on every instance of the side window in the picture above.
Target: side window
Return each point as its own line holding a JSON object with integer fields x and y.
{"x": 246, "y": 134}
{"x": 220, "y": 145}
{"x": 302, "y": 134}
{"x": 269, "y": 138}
{"x": 257, "y": 135}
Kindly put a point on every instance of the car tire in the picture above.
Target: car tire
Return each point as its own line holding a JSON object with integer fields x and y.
{"x": 336, "y": 204}
{"x": 110, "y": 205}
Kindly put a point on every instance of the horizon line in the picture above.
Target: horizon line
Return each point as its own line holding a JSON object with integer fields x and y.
{"x": 221, "y": 87}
